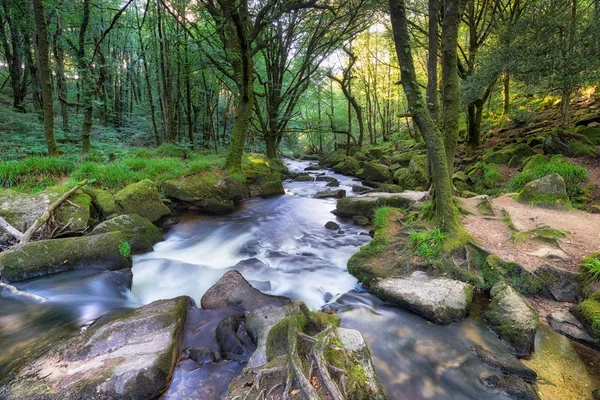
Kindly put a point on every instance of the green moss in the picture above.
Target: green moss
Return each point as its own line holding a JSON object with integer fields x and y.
{"x": 590, "y": 274}
{"x": 543, "y": 234}
{"x": 590, "y": 311}
{"x": 277, "y": 339}
{"x": 358, "y": 375}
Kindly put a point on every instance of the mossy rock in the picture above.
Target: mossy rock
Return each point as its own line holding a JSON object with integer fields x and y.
{"x": 568, "y": 143}
{"x": 589, "y": 310}
{"x": 142, "y": 198}
{"x": 365, "y": 205}
{"x": 104, "y": 203}
{"x": 348, "y": 166}
{"x": 592, "y": 133}
{"x": 272, "y": 188}
{"x": 375, "y": 173}
{"x": 402, "y": 159}
{"x": 56, "y": 255}
{"x": 130, "y": 355}
{"x": 418, "y": 169}
{"x": 140, "y": 233}
{"x": 21, "y": 209}
{"x": 498, "y": 157}
{"x": 206, "y": 191}
{"x": 550, "y": 191}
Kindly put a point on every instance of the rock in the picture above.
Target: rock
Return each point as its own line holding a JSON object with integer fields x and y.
{"x": 126, "y": 356}
{"x": 417, "y": 168}
{"x": 233, "y": 290}
{"x": 230, "y": 344}
{"x": 497, "y": 157}
{"x": 258, "y": 324}
{"x": 21, "y": 209}
{"x": 347, "y": 166}
{"x": 104, "y": 203}
{"x": 563, "y": 284}
{"x": 333, "y": 183}
{"x": 522, "y": 150}
{"x": 366, "y": 204}
{"x": 506, "y": 363}
{"x": 139, "y": 232}
{"x": 511, "y": 386}
{"x": 550, "y": 190}
{"x": 336, "y": 194}
{"x": 208, "y": 191}
{"x": 11, "y": 292}
{"x": 142, "y": 198}
{"x": 360, "y": 220}
{"x": 304, "y": 178}
{"x": 201, "y": 355}
{"x": 361, "y": 189}
{"x": 550, "y": 253}
{"x": 325, "y": 178}
{"x": 332, "y": 226}
{"x": 440, "y": 300}
{"x": 375, "y": 172}
{"x": 567, "y": 325}
{"x": 570, "y": 144}
{"x": 122, "y": 277}
{"x": 56, "y": 255}
{"x": 512, "y": 318}
{"x": 271, "y": 188}
{"x": 402, "y": 159}
{"x": 312, "y": 167}
{"x": 590, "y": 132}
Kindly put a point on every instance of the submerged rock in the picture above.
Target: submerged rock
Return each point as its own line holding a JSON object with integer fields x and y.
{"x": 440, "y": 300}
{"x": 506, "y": 363}
{"x": 512, "y": 318}
{"x": 233, "y": 290}
{"x": 366, "y": 204}
{"x": 143, "y": 199}
{"x": 202, "y": 355}
{"x": 550, "y": 190}
{"x": 56, "y": 255}
{"x": 571, "y": 327}
{"x": 130, "y": 355}
{"x": 11, "y": 292}
{"x": 512, "y": 386}
{"x": 139, "y": 232}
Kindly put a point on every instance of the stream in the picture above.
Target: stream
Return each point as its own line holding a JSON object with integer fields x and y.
{"x": 281, "y": 247}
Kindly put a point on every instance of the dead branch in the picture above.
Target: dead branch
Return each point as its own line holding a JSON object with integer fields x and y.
{"x": 10, "y": 229}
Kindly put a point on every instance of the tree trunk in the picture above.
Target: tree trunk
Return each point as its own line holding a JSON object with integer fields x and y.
{"x": 565, "y": 99}
{"x": 167, "y": 79}
{"x": 432, "y": 61}
{"x": 445, "y": 210}
{"x": 86, "y": 84}
{"x": 43, "y": 47}
{"x": 505, "y": 93}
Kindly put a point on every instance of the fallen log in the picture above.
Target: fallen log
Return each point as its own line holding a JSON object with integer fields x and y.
{"x": 46, "y": 216}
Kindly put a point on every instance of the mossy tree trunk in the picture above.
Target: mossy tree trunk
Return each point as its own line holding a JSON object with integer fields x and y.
{"x": 432, "y": 60}
{"x": 43, "y": 49}
{"x": 505, "y": 93}
{"x": 445, "y": 211}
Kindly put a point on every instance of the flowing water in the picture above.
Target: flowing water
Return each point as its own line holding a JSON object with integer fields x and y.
{"x": 281, "y": 246}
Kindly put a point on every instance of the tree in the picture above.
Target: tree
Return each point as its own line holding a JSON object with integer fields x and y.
{"x": 15, "y": 46}
{"x": 445, "y": 211}
{"x": 42, "y": 57}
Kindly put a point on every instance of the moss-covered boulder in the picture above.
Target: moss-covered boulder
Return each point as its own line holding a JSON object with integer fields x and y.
{"x": 348, "y": 166}
{"x": 104, "y": 203}
{"x": 56, "y": 255}
{"x": 417, "y": 167}
{"x": 589, "y": 310}
{"x": 21, "y": 209}
{"x": 550, "y": 190}
{"x": 568, "y": 143}
{"x": 590, "y": 132}
{"x": 512, "y": 318}
{"x": 143, "y": 199}
{"x": 375, "y": 173}
{"x": 272, "y": 188}
{"x": 206, "y": 191}
{"x": 130, "y": 355}
{"x": 140, "y": 233}
{"x": 497, "y": 157}
{"x": 439, "y": 300}
{"x": 366, "y": 204}
{"x": 305, "y": 355}
{"x": 519, "y": 153}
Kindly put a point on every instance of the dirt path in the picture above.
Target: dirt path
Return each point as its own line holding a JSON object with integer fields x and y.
{"x": 494, "y": 233}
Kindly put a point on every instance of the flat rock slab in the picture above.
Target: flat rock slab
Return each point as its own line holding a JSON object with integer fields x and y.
{"x": 366, "y": 204}
{"x": 568, "y": 325}
{"x": 127, "y": 356}
{"x": 440, "y": 300}
{"x": 232, "y": 290}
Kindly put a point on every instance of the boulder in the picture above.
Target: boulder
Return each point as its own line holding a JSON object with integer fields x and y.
{"x": 506, "y": 363}
{"x": 56, "y": 255}
{"x": 142, "y": 198}
{"x": 201, "y": 355}
{"x": 440, "y": 300}
{"x": 333, "y": 183}
{"x": 375, "y": 172}
{"x": 232, "y": 290}
{"x": 512, "y": 386}
{"x": 231, "y": 345}
{"x": 569, "y": 326}
{"x": 570, "y": 144}
{"x": 592, "y": 133}
{"x": 550, "y": 190}
{"x": 104, "y": 203}
{"x": 258, "y": 324}
{"x": 332, "y": 226}
{"x": 347, "y": 166}
{"x": 139, "y": 232}
{"x": 336, "y": 194}
{"x": 361, "y": 189}
{"x": 366, "y": 204}
{"x": 304, "y": 178}
{"x": 497, "y": 157}
{"x": 21, "y": 209}
{"x": 512, "y": 318}
{"x": 207, "y": 191}
{"x": 272, "y": 188}
{"x": 126, "y": 356}
{"x": 360, "y": 220}
{"x": 563, "y": 284}
{"x": 402, "y": 159}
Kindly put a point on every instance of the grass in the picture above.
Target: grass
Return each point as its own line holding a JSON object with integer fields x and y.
{"x": 574, "y": 175}
{"x": 427, "y": 243}
{"x": 543, "y": 234}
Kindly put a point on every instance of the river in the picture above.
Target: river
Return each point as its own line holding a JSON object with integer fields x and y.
{"x": 281, "y": 246}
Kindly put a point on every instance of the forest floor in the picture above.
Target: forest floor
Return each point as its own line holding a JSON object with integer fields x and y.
{"x": 495, "y": 233}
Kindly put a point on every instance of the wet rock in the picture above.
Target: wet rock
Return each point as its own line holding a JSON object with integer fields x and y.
{"x": 325, "y": 178}
{"x": 122, "y": 277}
{"x": 332, "y": 225}
{"x": 566, "y": 324}
{"x": 201, "y": 355}
{"x": 312, "y": 168}
{"x": 375, "y": 172}
{"x": 139, "y": 232}
{"x": 336, "y": 194}
{"x": 11, "y": 292}
{"x": 104, "y": 203}
{"x": 512, "y": 318}
{"x": 271, "y": 188}
{"x": 258, "y": 324}
{"x": 56, "y": 255}
{"x": 168, "y": 222}
{"x": 512, "y": 386}
{"x": 360, "y": 220}
{"x": 304, "y": 178}
{"x": 142, "y": 198}
{"x": 230, "y": 344}
{"x": 440, "y": 300}
{"x": 361, "y": 189}
{"x": 129, "y": 355}
{"x": 208, "y": 191}
{"x": 232, "y": 290}
{"x": 506, "y": 363}
{"x": 550, "y": 190}
{"x": 21, "y": 209}
{"x": 365, "y": 205}
{"x": 563, "y": 284}
{"x": 333, "y": 183}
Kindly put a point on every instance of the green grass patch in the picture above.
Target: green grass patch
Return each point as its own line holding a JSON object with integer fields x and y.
{"x": 427, "y": 243}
